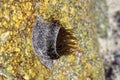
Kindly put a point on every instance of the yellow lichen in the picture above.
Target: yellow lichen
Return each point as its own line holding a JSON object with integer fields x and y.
{"x": 18, "y": 19}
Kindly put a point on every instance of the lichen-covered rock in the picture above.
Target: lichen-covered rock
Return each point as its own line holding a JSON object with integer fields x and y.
{"x": 78, "y": 19}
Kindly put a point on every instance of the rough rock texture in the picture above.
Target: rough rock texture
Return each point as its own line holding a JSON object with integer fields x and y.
{"x": 79, "y": 20}
{"x": 110, "y": 44}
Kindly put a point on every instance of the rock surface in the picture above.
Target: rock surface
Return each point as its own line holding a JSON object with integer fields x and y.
{"x": 110, "y": 45}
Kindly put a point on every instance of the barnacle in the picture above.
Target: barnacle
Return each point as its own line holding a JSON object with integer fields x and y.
{"x": 49, "y": 43}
